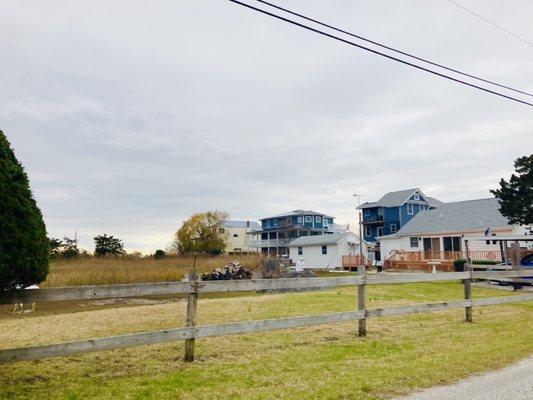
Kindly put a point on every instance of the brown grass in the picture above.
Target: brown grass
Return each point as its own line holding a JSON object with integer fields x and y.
{"x": 97, "y": 271}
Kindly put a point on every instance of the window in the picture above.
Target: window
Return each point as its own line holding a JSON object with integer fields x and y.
{"x": 451, "y": 243}
{"x": 299, "y": 220}
{"x": 300, "y": 251}
{"x": 324, "y": 249}
{"x": 367, "y": 212}
{"x": 326, "y": 223}
{"x": 379, "y": 231}
{"x": 413, "y": 242}
{"x": 268, "y": 223}
{"x": 308, "y": 218}
{"x": 368, "y": 231}
{"x": 416, "y": 196}
{"x": 275, "y": 222}
{"x": 318, "y": 219}
{"x": 410, "y": 209}
{"x": 393, "y": 228}
{"x": 289, "y": 220}
{"x": 421, "y": 207}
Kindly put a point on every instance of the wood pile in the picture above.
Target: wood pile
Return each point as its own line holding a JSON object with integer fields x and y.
{"x": 234, "y": 270}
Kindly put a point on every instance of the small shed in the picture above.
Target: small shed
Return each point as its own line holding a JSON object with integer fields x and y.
{"x": 324, "y": 251}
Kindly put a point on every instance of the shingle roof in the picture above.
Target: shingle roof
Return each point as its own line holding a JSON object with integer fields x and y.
{"x": 457, "y": 216}
{"x": 395, "y": 199}
{"x": 297, "y": 212}
{"x": 241, "y": 224}
{"x": 315, "y": 240}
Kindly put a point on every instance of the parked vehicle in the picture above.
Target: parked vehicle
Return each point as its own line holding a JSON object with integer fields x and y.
{"x": 526, "y": 263}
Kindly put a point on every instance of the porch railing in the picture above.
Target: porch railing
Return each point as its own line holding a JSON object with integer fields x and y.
{"x": 446, "y": 256}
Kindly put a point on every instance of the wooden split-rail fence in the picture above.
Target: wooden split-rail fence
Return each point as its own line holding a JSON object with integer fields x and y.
{"x": 194, "y": 287}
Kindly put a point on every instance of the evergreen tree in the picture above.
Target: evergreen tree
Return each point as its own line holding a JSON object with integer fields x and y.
{"x": 24, "y": 247}
{"x": 516, "y": 196}
{"x": 105, "y": 246}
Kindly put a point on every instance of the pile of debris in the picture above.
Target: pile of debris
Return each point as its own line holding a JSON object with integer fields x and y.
{"x": 234, "y": 270}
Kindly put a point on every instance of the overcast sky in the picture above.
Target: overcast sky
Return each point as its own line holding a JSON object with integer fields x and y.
{"x": 131, "y": 115}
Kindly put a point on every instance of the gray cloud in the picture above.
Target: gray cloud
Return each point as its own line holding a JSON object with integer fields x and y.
{"x": 129, "y": 115}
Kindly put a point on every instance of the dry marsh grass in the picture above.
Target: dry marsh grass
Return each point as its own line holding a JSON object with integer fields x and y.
{"x": 110, "y": 271}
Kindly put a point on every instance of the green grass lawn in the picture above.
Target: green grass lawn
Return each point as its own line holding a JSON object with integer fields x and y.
{"x": 399, "y": 355}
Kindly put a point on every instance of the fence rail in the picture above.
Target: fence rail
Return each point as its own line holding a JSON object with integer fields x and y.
{"x": 194, "y": 287}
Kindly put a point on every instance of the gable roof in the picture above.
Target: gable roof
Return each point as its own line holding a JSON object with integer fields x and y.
{"x": 297, "y": 212}
{"x": 395, "y": 199}
{"x": 241, "y": 224}
{"x": 456, "y": 216}
{"x": 321, "y": 240}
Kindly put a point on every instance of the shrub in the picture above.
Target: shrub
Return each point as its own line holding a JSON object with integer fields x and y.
{"x": 459, "y": 264}
{"x": 159, "y": 254}
{"x": 24, "y": 247}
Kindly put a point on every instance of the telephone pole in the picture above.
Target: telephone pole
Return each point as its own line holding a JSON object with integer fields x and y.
{"x": 360, "y": 218}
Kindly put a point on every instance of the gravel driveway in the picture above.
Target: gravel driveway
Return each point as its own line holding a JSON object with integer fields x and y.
{"x": 512, "y": 383}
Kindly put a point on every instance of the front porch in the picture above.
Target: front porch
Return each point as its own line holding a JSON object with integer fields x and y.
{"x": 443, "y": 260}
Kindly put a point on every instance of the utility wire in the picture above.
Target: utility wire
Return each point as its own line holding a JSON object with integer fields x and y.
{"x": 393, "y": 49}
{"x": 491, "y": 22}
{"x": 379, "y": 53}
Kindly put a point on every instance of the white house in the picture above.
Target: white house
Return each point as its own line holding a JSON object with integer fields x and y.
{"x": 235, "y": 234}
{"x": 324, "y": 251}
{"x": 439, "y": 233}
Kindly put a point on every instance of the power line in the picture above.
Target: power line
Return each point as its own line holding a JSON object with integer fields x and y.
{"x": 491, "y": 22}
{"x": 379, "y": 53}
{"x": 393, "y": 49}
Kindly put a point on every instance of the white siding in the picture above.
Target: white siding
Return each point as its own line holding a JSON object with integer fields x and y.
{"x": 313, "y": 257}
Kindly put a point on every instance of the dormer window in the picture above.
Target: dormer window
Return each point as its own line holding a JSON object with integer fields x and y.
{"x": 318, "y": 219}
{"x": 268, "y": 223}
{"x": 416, "y": 196}
{"x": 367, "y": 212}
{"x": 308, "y": 218}
{"x": 299, "y": 220}
{"x": 275, "y": 222}
{"x": 289, "y": 220}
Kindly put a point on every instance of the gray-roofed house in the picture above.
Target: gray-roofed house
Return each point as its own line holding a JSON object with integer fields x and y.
{"x": 391, "y": 212}
{"x": 277, "y": 231}
{"x": 437, "y": 234}
{"x": 235, "y": 233}
{"x": 324, "y": 251}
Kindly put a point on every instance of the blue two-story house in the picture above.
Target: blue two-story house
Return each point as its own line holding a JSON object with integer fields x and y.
{"x": 387, "y": 215}
{"x": 278, "y": 230}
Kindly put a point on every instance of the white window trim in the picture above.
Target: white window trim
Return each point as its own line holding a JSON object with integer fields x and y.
{"x": 322, "y": 250}
{"x": 416, "y": 196}
{"x": 395, "y": 228}
{"x": 308, "y": 218}
{"x": 289, "y": 220}
{"x": 368, "y": 231}
{"x": 268, "y": 224}
{"x": 275, "y": 222}
{"x": 318, "y": 219}
{"x": 410, "y": 207}
{"x": 377, "y": 231}
{"x": 299, "y": 219}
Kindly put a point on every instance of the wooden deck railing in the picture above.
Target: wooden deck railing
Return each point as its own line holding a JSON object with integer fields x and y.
{"x": 195, "y": 287}
{"x": 445, "y": 256}
{"x": 353, "y": 261}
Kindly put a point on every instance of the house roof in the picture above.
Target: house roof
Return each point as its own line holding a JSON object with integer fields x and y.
{"x": 456, "y": 216}
{"x": 395, "y": 199}
{"x": 320, "y": 240}
{"x": 242, "y": 224}
{"x": 297, "y": 212}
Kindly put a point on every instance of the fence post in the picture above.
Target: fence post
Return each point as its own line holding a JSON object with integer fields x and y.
{"x": 467, "y": 284}
{"x": 361, "y": 306}
{"x": 192, "y": 300}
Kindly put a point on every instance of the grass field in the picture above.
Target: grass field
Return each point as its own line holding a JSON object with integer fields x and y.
{"x": 400, "y": 354}
{"x": 109, "y": 271}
